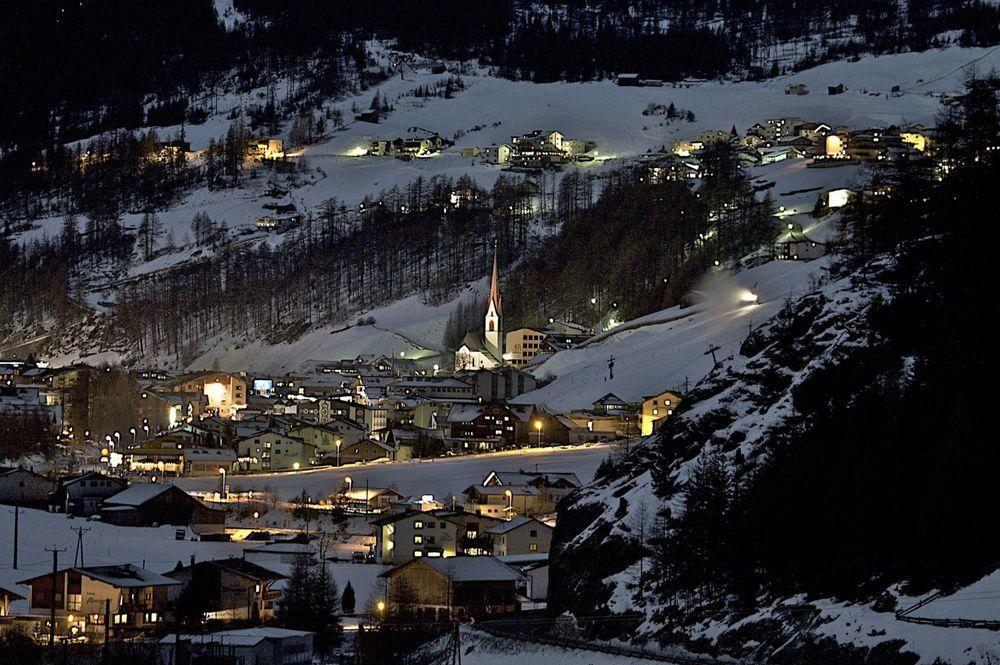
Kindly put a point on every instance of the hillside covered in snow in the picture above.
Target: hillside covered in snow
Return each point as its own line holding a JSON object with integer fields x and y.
{"x": 806, "y": 502}
{"x": 486, "y": 110}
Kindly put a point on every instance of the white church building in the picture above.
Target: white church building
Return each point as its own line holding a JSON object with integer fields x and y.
{"x": 485, "y": 352}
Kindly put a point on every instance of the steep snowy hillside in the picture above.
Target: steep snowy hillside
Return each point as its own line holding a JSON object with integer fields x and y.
{"x": 759, "y": 396}
{"x": 739, "y": 405}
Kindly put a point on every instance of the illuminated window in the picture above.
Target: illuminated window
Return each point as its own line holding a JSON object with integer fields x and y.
{"x": 418, "y": 539}
{"x": 418, "y": 525}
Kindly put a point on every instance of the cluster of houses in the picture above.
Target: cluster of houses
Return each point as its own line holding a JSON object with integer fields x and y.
{"x": 787, "y": 138}
{"x": 535, "y": 150}
{"x": 538, "y": 149}
{"x": 127, "y": 601}
{"x": 484, "y": 555}
{"x": 109, "y": 498}
{"x": 777, "y": 139}
{"x": 408, "y": 148}
{"x": 364, "y": 409}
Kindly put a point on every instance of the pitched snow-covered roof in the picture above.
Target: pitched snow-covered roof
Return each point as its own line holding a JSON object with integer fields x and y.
{"x": 119, "y": 576}
{"x": 466, "y": 569}
{"x": 13, "y": 595}
{"x": 243, "y": 568}
{"x": 473, "y": 342}
{"x": 473, "y": 569}
{"x": 516, "y": 490}
{"x": 463, "y": 413}
{"x": 515, "y": 478}
{"x": 516, "y": 523}
{"x": 137, "y": 494}
{"x": 238, "y": 637}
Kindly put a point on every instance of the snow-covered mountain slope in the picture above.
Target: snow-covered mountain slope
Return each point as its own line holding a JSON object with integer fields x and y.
{"x": 408, "y": 328}
{"x": 742, "y": 409}
{"x": 664, "y": 356}
{"x": 490, "y": 110}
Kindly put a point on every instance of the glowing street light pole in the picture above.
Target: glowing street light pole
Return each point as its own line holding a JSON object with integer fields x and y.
{"x": 510, "y": 503}
{"x": 132, "y": 429}
{"x": 538, "y": 428}
{"x": 222, "y": 487}
{"x": 338, "y": 451}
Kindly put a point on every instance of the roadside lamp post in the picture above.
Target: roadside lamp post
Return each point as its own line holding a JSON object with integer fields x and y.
{"x": 338, "y": 451}
{"x": 132, "y": 429}
{"x": 222, "y": 486}
{"x": 538, "y": 428}
{"x": 510, "y": 503}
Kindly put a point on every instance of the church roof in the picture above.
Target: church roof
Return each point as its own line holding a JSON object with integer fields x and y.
{"x": 494, "y": 298}
{"x": 473, "y": 341}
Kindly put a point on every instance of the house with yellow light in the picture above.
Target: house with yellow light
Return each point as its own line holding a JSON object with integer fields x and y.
{"x": 265, "y": 147}
{"x": 137, "y": 599}
{"x": 917, "y": 137}
{"x": 402, "y": 537}
{"x": 655, "y": 409}
{"x": 226, "y": 393}
{"x": 160, "y": 410}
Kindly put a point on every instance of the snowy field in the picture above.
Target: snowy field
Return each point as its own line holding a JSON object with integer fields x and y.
{"x": 481, "y": 648}
{"x": 659, "y": 356}
{"x": 440, "y": 477}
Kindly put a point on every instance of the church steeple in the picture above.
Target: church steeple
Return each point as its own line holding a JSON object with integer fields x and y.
{"x": 494, "y": 314}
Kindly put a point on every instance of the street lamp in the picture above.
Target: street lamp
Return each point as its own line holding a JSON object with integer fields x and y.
{"x": 510, "y": 503}
{"x": 349, "y": 483}
{"x": 338, "y": 451}
{"x": 538, "y": 428}
{"x": 222, "y": 488}
{"x": 132, "y": 429}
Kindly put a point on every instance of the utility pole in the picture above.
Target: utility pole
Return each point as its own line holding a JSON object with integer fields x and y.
{"x": 107, "y": 630}
{"x": 712, "y": 348}
{"x": 52, "y": 594}
{"x": 79, "y": 543}
{"x": 611, "y": 368}
{"x": 17, "y": 520}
